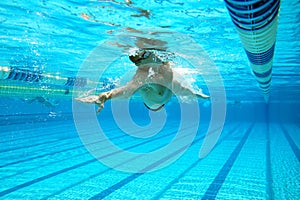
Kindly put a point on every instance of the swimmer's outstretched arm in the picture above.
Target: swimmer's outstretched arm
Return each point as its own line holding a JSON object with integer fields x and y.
{"x": 123, "y": 92}
{"x": 184, "y": 91}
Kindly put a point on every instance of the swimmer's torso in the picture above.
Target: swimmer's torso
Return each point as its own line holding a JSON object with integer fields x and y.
{"x": 156, "y": 84}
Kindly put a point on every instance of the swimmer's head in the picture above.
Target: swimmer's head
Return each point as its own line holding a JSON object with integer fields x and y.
{"x": 143, "y": 57}
{"x": 155, "y": 96}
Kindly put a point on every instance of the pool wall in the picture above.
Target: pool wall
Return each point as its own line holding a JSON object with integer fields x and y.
{"x": 18, "y": 111}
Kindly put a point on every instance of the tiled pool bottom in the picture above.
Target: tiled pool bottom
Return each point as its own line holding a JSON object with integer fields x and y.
{"x": 47, "y": 160}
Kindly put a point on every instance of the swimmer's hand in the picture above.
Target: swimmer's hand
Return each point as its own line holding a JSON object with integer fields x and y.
{"x": 99, "y": 100}
{"x": 203, "y": 96}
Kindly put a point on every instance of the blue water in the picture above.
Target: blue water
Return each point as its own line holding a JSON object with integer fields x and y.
{"x": 63, "y": 150}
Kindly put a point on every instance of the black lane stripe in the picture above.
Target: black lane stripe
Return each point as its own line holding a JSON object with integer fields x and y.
{"x": 128, "y": 179}
{"x": 60, "y": 136}
{"x": 28, "y": 146}
{"x": 61, "y": 124}
{"x": 49, "y": 142}
{"x": 26, "y": 184}
{"x": 97, "y": 174}
{"x": 54, "y": 152}
{"x": 291, "y": 142}
{"x": 39, "y": 134}
{"x": 116, "y": 186}
{"x": 39, "y": 156}
{"x": 217, "y": 183}
{"x": 92, "y": 176}
{"x": 132, "y": 177}
{"x": 50, "y": 154}
{"x": 158, "y": 196}
{"x": 18, "y": 187}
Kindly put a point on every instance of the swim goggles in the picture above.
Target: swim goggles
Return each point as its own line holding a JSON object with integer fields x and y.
{"x": 151, "y": 55}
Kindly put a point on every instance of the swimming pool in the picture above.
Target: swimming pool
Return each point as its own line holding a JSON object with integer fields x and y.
{"x": 234, "y": 146}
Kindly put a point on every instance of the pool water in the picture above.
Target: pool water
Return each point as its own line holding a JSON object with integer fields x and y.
{"x": 233, "y": 146}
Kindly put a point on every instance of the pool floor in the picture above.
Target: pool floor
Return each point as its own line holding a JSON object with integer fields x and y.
{"x": 46, "y": 160}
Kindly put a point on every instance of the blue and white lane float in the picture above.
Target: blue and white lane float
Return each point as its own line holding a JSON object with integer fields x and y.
{"x": 16, "y": 74}
{"x": 256, "y": 23}
{"x": 17, "y": 82}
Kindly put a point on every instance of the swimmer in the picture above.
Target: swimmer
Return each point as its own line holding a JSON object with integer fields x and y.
{"x": 43, "y": 101}
{"x": 153, "y": 81}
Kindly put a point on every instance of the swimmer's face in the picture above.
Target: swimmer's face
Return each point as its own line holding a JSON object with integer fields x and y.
{"x": 144, "y": 57}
